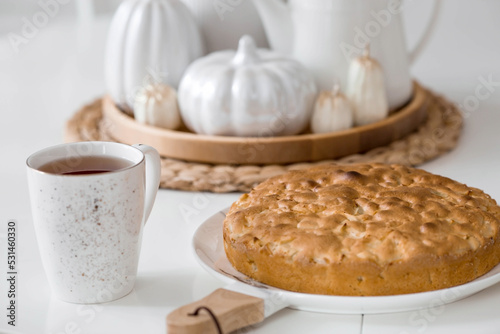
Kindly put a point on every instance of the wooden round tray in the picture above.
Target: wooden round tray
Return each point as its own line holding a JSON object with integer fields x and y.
{"x": 188, "y": 146}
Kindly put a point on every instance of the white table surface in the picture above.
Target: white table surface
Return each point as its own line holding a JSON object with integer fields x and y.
{"x": 61, "y": 68}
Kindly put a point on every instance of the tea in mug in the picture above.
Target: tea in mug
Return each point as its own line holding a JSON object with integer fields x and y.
{"x": 85, "y": 165}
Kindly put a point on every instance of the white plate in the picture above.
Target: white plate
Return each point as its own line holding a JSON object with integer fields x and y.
{"x": 209, "y": 250}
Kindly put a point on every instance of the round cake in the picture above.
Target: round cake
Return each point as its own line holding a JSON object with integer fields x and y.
{"x": 363, "y": 230}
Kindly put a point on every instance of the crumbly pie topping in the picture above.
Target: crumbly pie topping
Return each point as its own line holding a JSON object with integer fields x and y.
{"x": 380, "y": 213}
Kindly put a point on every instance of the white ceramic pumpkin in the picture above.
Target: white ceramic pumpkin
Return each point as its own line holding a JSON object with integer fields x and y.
{"x": 247, "y": 93}
{"x": 332, "y": 112}
{"x": 157, "y": 105}
{"x": 149, "y": 42}
{"x": 366, "y": 90}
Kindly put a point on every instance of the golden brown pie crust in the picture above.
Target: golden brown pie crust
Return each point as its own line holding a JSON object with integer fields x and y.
{"x": 363, "y": 230}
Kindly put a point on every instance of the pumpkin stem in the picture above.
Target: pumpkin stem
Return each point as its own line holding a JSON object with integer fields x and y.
{"x": 247, "y": 52}
{"x": 366, "y": 50}
{"x": 336, "y": 87}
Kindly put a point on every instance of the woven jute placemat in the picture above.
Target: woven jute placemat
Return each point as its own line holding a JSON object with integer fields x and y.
{"x": 436, "y": 136}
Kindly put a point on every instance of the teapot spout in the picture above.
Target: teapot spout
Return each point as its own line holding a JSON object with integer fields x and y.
{"x": 277, "y": 22}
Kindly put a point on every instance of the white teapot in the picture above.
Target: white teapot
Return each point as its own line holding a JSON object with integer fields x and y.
{"x": 223, "y": 22}
{"x": 326, "y": 34}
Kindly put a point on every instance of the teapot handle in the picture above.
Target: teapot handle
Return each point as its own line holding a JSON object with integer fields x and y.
{"x": 424, "y": 39}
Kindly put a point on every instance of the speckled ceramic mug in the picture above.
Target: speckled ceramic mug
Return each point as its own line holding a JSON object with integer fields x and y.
{"x": 89, "y": 227}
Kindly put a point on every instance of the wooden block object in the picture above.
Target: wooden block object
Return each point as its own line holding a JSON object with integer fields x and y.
{"x": 223, "y": 311}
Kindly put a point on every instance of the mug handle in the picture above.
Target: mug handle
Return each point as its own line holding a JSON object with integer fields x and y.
{"x": 424, "y": 39}
{"x": 153, "y": 172}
